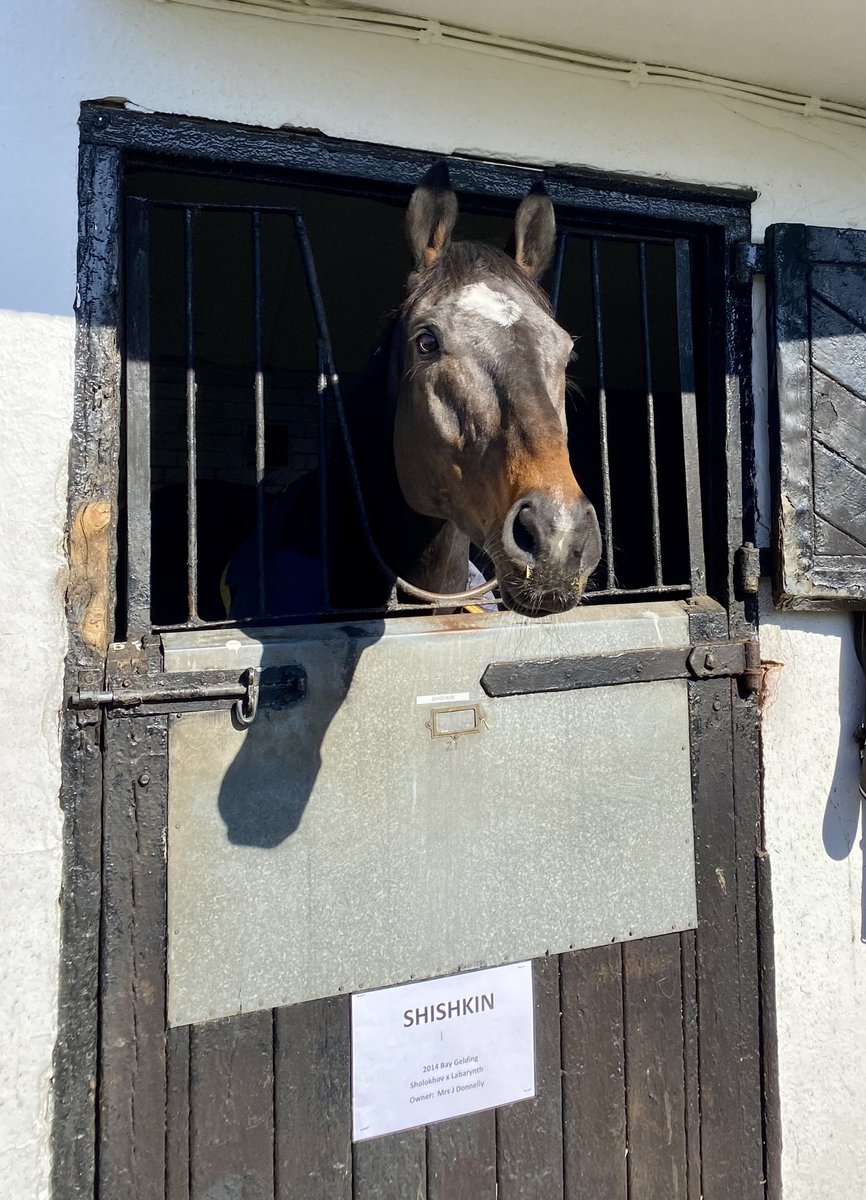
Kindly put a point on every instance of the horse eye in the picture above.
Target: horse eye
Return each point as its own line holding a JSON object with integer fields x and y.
{"x": 427, "y": 342}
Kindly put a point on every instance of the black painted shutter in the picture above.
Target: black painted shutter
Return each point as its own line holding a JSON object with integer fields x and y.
{"x": 816, "y": 310}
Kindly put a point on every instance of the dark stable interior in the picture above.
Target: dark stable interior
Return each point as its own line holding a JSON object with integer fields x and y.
{"x": 362, "y": 262}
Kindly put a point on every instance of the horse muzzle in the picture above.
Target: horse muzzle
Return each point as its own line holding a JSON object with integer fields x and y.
{"x": 550, "y": 549}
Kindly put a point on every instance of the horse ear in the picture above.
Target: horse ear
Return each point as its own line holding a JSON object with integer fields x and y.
{"x": 431, "y": 217}
{"x": 535, "y": 233}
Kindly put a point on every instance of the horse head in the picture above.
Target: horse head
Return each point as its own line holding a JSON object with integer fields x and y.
{"x": 480, "y": 435}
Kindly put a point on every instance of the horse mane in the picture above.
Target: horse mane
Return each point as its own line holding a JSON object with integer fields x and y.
{"x": 464, "y": 263}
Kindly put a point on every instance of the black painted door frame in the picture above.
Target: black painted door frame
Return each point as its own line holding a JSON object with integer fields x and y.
{"x": 607, "y": 1039}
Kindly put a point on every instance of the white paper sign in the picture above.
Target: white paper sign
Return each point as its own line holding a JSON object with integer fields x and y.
{"x": 424, "y": 1052}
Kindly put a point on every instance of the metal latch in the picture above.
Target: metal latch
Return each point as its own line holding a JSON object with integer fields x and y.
{"x": 701, "y": 660}
{"x": 273, "y": 687}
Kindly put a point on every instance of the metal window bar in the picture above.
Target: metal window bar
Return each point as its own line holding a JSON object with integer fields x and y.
{"x": 324, "y": 524}
{"x": 329, "y": 381}
{"x": 607, "y": 514}
{"x": 697, "y": 582}
{"x": 138, "y": 419}
{"x": 685, "y": 341}
{"x": 191, "y": 447}
{"x": 259, "y": 399}
{"x": 650, "y": 415}
{"x": 138, "y": 523}
{"x": 558, "y": 264}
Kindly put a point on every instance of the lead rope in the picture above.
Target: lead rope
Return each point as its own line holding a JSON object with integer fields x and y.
{"x": 328, "y": 378}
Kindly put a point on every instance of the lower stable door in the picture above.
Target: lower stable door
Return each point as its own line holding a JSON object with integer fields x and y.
{"x": 399, "y": 800}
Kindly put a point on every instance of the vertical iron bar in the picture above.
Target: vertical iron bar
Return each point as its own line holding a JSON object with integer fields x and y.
{"x": 330, "y": 380}
{"x": 260, "y": 407}
{"x": 691, "y": 454}
{"x": 191, "y": 457}
{"x": 559, "y": 262}
{"x": 314, "y": 292}
{"x": 138, "y": 558}
{"x": 650, "y": 416}
{"x": 322, "y": 391}
{"x": 602, "y": 418}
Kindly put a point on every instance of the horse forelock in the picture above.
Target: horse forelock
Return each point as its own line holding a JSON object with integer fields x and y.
{"x": 465, "y": 263}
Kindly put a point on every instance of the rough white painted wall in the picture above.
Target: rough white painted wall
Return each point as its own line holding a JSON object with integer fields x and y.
{"x": 814, "y": 834}
{"x": 55, "y": 53}
{"x": 35, "y": 374}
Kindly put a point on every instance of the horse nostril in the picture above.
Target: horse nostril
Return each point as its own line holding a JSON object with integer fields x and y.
{"x": 524, "y": 531}
{"x": 560, "y": 540}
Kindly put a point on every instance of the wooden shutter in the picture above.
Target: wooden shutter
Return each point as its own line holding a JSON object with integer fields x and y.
{"x": 816, "y": 309}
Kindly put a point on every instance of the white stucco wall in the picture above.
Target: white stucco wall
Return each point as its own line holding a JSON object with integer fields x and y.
{"x": 55, "y": 53}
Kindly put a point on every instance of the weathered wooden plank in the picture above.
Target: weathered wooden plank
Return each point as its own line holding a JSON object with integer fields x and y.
{"x": 791, "y": 404}
{"x": 654, "y": 1064}
{"x": 840, "y": 492}
{"x": 826, "y": 244}
{"x": 718, "y": 986}
{"x": 839, "y": 417}
{"x": 688, "y": 963}
{"x": 717, "y": 948}
{"x": 391, "y": 1168}
{"x": 843, "y": 284}
{"x": 75, "y": 1055}
{"x": 529, "y": 1134}
{"x": 772, "y": 1107}
{"x": 830, "y": 540}
{"x": 593, "y": 1085}
{"x": 313, "y": 1117}
{"x": 231, "y": 1090}
{"x": 132, "y": 1078}
{"x": 177, "y": 1115}
{"x": 282, "y": 149}
{"x": 747, "y": 785}
{"x": 90, "y": 600}
{"x": 461, "y": 1158}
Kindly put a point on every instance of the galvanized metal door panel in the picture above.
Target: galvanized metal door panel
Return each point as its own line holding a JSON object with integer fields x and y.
{"x": 338, "y": 845}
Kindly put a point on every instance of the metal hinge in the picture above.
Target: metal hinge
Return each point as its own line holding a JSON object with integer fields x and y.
{"x": 749, "y": 260}
{"x": 243, "y": 692}
{"x": 701, "y": 660}
{"x": 747, "y": 569}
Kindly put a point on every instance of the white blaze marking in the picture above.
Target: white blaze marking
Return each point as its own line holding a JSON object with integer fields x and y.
{"x": 480, "y": 299}
{"x": 563, "y": 526}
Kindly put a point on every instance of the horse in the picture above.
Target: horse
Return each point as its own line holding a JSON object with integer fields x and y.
{"x": 459, "y": 438}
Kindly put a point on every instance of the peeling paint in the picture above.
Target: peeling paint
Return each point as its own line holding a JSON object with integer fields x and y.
{"x": 88, "y": 571}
